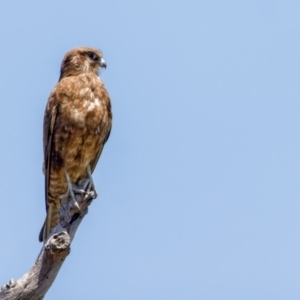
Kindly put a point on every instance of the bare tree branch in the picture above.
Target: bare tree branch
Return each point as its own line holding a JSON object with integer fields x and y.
{"x": 37, "y": 281}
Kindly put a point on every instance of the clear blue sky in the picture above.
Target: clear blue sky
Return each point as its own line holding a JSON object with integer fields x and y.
{"x": 199, "y": 181}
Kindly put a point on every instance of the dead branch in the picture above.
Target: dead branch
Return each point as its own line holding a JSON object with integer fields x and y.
{"x": 37, "y": 281}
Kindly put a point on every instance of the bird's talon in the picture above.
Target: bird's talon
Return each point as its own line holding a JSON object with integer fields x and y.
{"x": 95, "y": 193}
{"x": 76, "y": 205}
{"x": 79, "y": 191}
{"x": 91, "y": 186}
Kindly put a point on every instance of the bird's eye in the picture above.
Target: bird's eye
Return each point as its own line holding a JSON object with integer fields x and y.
{"x": 92, "y": 55}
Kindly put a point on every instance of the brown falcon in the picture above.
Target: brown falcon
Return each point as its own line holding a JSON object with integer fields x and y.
{"x": 77, "y": 123}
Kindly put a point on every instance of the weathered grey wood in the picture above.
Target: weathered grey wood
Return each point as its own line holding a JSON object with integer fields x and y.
{"x": 37, "y": 281}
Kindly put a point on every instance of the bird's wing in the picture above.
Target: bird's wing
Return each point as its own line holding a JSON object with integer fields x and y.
{"x": 95, "y": 160}
{"x": 105, "y": 131}
{"x": 49, "y": 123}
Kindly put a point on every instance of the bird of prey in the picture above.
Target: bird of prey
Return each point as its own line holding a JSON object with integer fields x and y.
{"x": 77, "y": 123}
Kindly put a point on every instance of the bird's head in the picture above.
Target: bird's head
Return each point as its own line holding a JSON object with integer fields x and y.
{"x": 82, "y": 60}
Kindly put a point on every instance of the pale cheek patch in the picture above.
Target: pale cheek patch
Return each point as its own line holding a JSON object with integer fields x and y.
{"x": 86, "y": 65}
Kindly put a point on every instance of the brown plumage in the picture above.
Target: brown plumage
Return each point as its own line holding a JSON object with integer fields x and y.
{"x": 77, "y": 124}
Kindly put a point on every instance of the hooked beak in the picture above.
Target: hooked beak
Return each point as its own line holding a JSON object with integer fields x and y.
{"x": 102, "y": 63}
